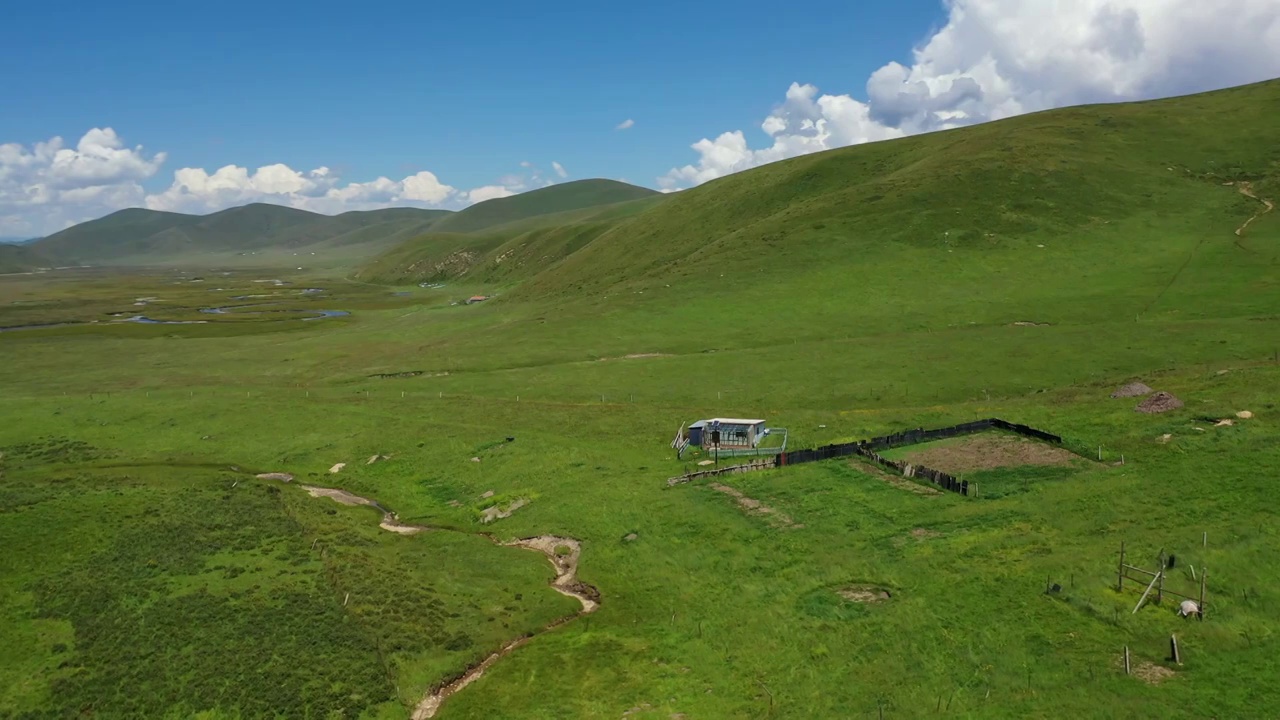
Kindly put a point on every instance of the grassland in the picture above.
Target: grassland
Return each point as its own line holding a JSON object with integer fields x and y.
{"x": 160, "y": 577}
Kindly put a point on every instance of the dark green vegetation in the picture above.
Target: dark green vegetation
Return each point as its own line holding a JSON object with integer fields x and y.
{"x": 19, "y": 258}
{"x": 137, "y": 236}
{"x": 795, "y": 294}
{"x": 271, "y": 233}
{"x": 564, "y": 197}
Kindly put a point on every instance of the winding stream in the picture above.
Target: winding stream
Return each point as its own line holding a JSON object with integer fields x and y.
{"x": 144, "y": 320}
{"x": 563, "y": 553}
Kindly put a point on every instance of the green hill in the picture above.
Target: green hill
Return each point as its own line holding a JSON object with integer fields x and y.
{"x": 1022, "y": 270}
{"x": 138, "y": 236}
{"x": 503, "y": 253}
{"x": 574, "y": 195}
{"x": 19, "y": 258}
{"x": 1080, "y": 181}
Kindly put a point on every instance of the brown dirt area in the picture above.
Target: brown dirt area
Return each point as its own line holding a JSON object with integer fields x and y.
{"x": 864, "y": 594}
{"x": 986, "y": 452}
{"x": 1158, "y": 403}
{"x": 1246, "y": 189}
{"x": 1153, "y": 674}
{"x": 895, "y": 480}
{"x": 918, "y": 535}
{"x": 757, "y": 508}
{"x": 341, "y": 496}
{"x": 1133, "y": 389}
{"x": 636, "y": 356}
{"x": 494, "y": 512}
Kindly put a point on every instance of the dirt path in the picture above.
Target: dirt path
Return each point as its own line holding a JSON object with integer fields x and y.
{"x": 390, "y": 521}
{"x": 562, "y": 552}
{"x": 751, "y": 506}
{"x": 1246, "y": 189}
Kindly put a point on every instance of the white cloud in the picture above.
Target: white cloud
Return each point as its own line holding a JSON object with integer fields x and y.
{"x": 998, "y": 58}
{"x": 47, "y": 187}
{"x": 560, "y": 171}
{"x": 626, "y": 124}
{"x": 489, "y": 192}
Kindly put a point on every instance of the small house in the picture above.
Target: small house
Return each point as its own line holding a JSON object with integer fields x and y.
{"x": 734, "y": 432}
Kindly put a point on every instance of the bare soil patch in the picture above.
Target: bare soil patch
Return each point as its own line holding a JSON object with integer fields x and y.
{"x": 337, "y": 495}
{"x": 494, "y": 512}
{"x": 1152, "y": 674}
{"x": 897, "y": 481}
{"x": 563, "y": 554}
{"x": 1028, "y": 323}
{"x": 1133, "y": 389}
{"x": 757, "y": 508}
{"x": 282, "y": 477}
{"x": 1246, "y": 189}
{"x": 1159, "y": 403}
{"x": 637, "y": 356}
{"x": 925, "y": 534}
{"x": 864, "y": 594}
{"x": 987, "y": 452}
{"x": 391, "y": 523}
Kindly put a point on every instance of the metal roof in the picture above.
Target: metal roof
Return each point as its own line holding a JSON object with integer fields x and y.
{"x": 734, "y": 421}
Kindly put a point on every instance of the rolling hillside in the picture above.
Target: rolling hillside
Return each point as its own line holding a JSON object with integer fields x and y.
{"x": 504, "y": 253}
{"x": 1079, "y": 180}
{"x": 19, "y": 258}
{"x": 574, "y": 195}
{"x": 138, "y": 236}
{"x": 145, "y": 237}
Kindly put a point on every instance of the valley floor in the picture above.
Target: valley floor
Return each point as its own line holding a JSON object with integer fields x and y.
{"x": 159, "y": 577}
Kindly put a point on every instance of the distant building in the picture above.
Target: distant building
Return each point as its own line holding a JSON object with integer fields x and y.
{"x": 475, "y": 299}
{"x": 734, "y": 432}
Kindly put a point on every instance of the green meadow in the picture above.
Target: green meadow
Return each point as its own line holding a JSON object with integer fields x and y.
{"x": 1022, "y": 270}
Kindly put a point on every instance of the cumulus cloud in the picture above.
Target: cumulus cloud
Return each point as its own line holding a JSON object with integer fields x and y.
{"x": 998, "y": 58}
{"x": 489, "y": 192}
{"x": 38, "y": 184}
{"x": 626, "y": 124}
{"x": 560, "y": 171}
{"x": 47, "y": 187}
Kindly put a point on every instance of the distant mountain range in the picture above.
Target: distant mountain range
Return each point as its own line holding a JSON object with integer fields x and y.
{"x": 142, "y": 237}
{"x": 16, "y": 240}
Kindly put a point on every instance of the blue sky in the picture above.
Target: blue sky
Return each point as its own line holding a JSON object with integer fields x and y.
{"x": 468, "y": 91}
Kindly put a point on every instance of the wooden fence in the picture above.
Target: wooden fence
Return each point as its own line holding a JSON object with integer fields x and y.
{"x": 868, "y": 448}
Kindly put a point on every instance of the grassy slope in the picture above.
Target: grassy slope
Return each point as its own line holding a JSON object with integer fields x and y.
{"x": 19, "y": 258}
{"x": 556, "y": 198}
{"x": 838, "y": 333}
{"x": 503, "y": 254}
{"x": 147, "y": 237}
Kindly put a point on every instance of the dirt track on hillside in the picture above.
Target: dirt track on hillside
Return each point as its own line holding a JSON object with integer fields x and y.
{"x": 1246, "y": 189}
